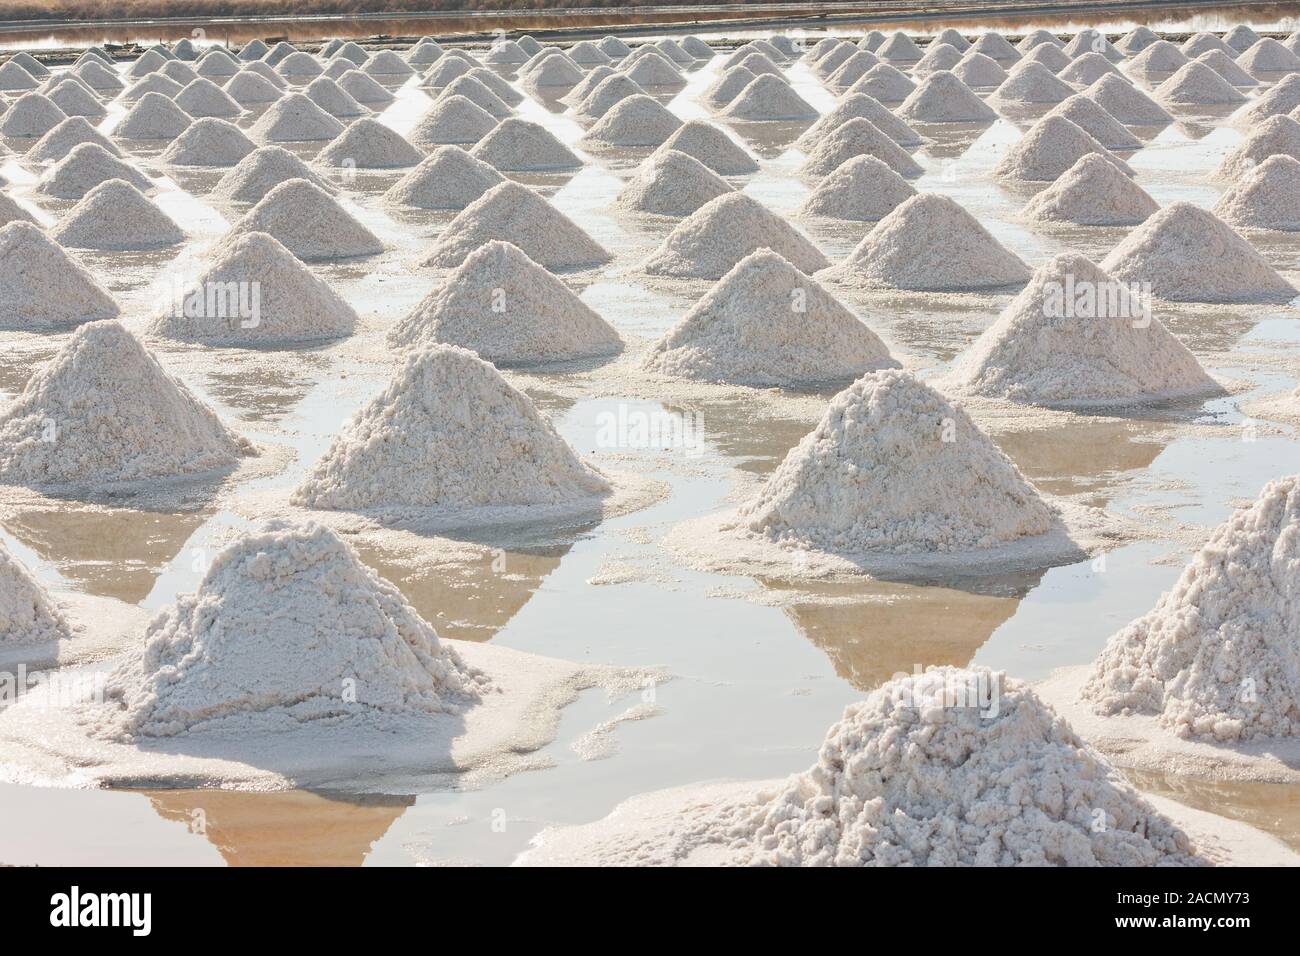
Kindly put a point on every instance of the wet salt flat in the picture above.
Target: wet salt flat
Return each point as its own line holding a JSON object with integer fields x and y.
{"x": 756, "y": 677}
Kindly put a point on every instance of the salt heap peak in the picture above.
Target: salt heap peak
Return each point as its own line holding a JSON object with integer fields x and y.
{"x": 1136, "y": 40}
{"x": 1096, "y": 122}
{"x": 1268, "y": 57}
{"x": 12, "y": 211}
{"x": 292, "y": 304}
{"x": 995, "y": 45}
{"x": 1224, "y": 65}
{"x": 614, "y": 47}
{"x": 503, "y": 90}
{"x": 446, "y": 69}
{"x": 552, "y": 73}
{"x": 1160, "y": 57}
{"x": 85, "y": 168}
{"x": 1124, "y": 101}
{"x": 942, "y": 98}
{"x": 885, "y": 84}
{"x": 333, "y": 99}
{"x": 509, "y": 310}
{"x": 339, "y": 625}
{"x": 154, "y": 117}
{"x": 117, "y": 217}
{"x": 602, "y": 99}
{"x": 42, "y": 287}
{"x": 14, "y": 79}
{"x": 181, "y": 74}
{"x": 1036, "y": 38}
{"x": 386, "y": 63}
{"x": 766, "y": 324}
{"x": 518, "y": 215}
{"x": 449, "y": 178}
{"x": 728, "y": 86}
{"x": 1093, "y": 41}
{"x": 899, "y": 47}
{"x": 938, "y": 56}
{"x": 1075, "y": 336}
{"x": 209, "y": 142}
{"x": 712, "y": 147}
{"x": 364, "y": 89}
{"x": 862, "y": 189}
{"x": 205, "y": 98}
{"x": 589, "y": 83}
{"x": 261, "y": 171}
{"x": 1229, "y": 622}
{"x": 310, "y": 223}
{"x": 30, "y": 116}
{"x": 1240, "y": 38}
{"x": 860, "y": 105}
{"x": 453, "y": 120}
{"x": 477, "y": 93}
{"x": 1031, "y": 83}
{"x": 1087, "y": 69}
{"x": 670, "y": 183}
{"x": 120, "y": 416}
{"x": 1187, "y": 254}
{"x": 900, "y": 252}
{"x": 655, "y": 71}
{"x": 520, "y": 145}
{"x": 1050, "y": 56}
{"x": 633, "y": 121}
{"x": 856, "y": 67}
{"x": 1051, "y": 147}
{"x": 858, "y": 137}
{"x": 1197, "y": 84}
{"x": 449, "y": 434}
{"x": 1282, "y": 97}
{"x": 369, "y": 144}
{"x": 880, "y": 474}
{"x": 28, "y": 615}
{"x": 298, "y": 67}
{"x": 979, "y": 71}
{"x": 769, "y": 98}
{"x": 1199, "y": 43}
{"x": 1092, "y": 192}
{"x": 295, "y": 119}
{"x": 1267, "y": 197}
{"x": 76, "y": 100}
{"x": 709, "y": 242}
{"x": 65, "y": 137}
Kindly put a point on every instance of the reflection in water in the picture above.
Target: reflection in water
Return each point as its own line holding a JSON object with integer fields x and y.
{"x": 1086, "y": 455}
{"x": 1272, "y": 807}
{"x": 264, "y": 386}
{"x": 292, "y": 828}
{"x": 770, "y": 140}
{"x": 757, "y": 446}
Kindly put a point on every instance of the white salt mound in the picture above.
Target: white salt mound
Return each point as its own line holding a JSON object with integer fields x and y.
{"x": 877, "y": 475}
{"x": 769, "y": 98}
{"x": 899, "y": 47}
{"x": 65, "y": 137}
{"x": 862, "y": 189}
{"x": 1075, "y": 336}
{"x": 979, "y": 71}
{"x": 588, "y": 83}
{"x": 1282, "y": 97}
{"x": 1188, "y": 254}
{"x": 712, "y": 147}
{"x": 477, "y": 93}
{"x": 30, "y": 116}
{"x": 448, "y": 434}
{"x": 369, "y": 144}
{"x": 12, "y": 211}
{"x": 1159, "y": 57}
{"x": 728, "y": 86}
{"x": 1216, "y": 658}
{"x": 884, "y": 83}
{"x": 76, "y": 100}
{"x": 205, "y": 98}
{"x": 942, "y": 98}
{"x": 261, "y": 171}
{"x": 117, "y": 217}
{"x": 1199, "y": 43}
{"x": 333, "y": 99}
{"x": 900, "y": 252}
{"x": 517, "y": 145}
{"x": 1050, "y": 56}
{"x": 603, "y": 97}
{"x": 1224, "y": 65}
{"x": 452, "y": 120}
{"x": 855, "y": 106}
{"x": 1268, "y": 56}
{"x": 766, "y": 324}
{"x": 42, "y": 287}
{"x": 209, "y": 142}
{"x": 858, "y": 137}
{"x": 449, "y": 178}
{"x": 995, "y": 45}
{"x": 655, "y": 71}
{"x": 154, "y": 116}
{"x": 509, "y": 310}
{"x": 1267, "y": 197}
{"x": 1197, "y": 84}
{"x": 120, "y": 417}
{"x": 670, "y": 183}
{"x": 1124, "y": 101}
{"x": 709, "y": 242}
{"x": 295, "y": 119}
{"x": 1031, "y": 83}
{"x": 1051, "y": 147}
{"x": 364, "y": 89}
{"x": 1275, "y": 136}
{"x": 633, "y": 121}
{"x": 1240, "y": 38}
{"x": 86, "y": 167}
{"x": 1096, "y": 122}
{"x": 1136, "y": 40}
{"x": 292, "y": 304}
{"x": 518, "y": 215}
{"x": 28, "y": 615}
{"x": 310, "y": 223}
{"x": 1092, "y": 192}
{"x": 938, "y": 56}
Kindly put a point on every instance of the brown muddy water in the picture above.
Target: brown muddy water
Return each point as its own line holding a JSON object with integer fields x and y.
{"x": 757, "y": 680}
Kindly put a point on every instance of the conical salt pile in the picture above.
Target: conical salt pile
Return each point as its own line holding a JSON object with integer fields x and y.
{"x": 1197, "y": 84}
{"x": 181, "y": 74}
{"x": 28, "y": 615}
{"x": 364, "y": 89}
{"x": 505, "y": 52}
{"x": 387, "y": 64}
{"x": 255, "y": 292}
{"x": 442, "y": 72}
{"x": 449, "y": 433}
{"x": 14, "y": 79}
{"x": 1075, "y": 336}
{"x": 298, "y": 67}
{"x": 655, "y": 71}
{"x": 1031, "y": 83}
{"x": 1275, "y": 136}
{"x": 953, "y": 38}
{"x": 284, "y": 621}
{"x": 254, "y": 49}
{"x": 1036, "y": 38}
{"x": 1136, "y": 40}
{"x": 1216, "y": 657}
{"x": 1093, "y": 41}
{"x": 979, "y": 71}
{"x": 1092, "y": 192}
{"x": 120, "y": 417}
{"x": 766, "y": 324}
{"x": 552, "y": 73}
{"x": 261, "y": 171}
{"x": 727, "y": 87}
{"x": 885, "y": 84}
{"x": 30, "y": 116}
{"x": 1267, "y": 197}
{"x": 519, "y": 145}
{"x": 452, "y": 120}
{"x": 633, "y": 121}
{"x": 12, "y": 211}
{"x": 333, "y": 99}
{"x": 1240, "y": 38}
{"x": 76, "y": 100}
{"x": 515, "y": 214}
{"x": 295, "y": 119}
{"x": 995, "y": 45}
{"x": 1268, "y": 57}
{"x": 1161, "y": 57}
{"x": 1199, "y": 43}
{"x": 99, "y": 78}
{"x": 209, "y": 142}
{"x": 85, "y": 168}
{"x": 310, "y": 223}
{"x": 672, "y": 50}
{"x": 478, "y": 94}
{"x": 65, "y": 137}
{"x": 205, "y": 98}
{"x": 852, "y": 70}
{"x": 862, "y": 189}
{"x": 217, "y": 64}
{"x": 1096, "y": 122}
{"x": 449, "y": 178}
{"x": 155, "y": 117}
{"x": 424, "y": 53}
{"x": 858, "y": 137}
{"x": 1224, "y": 65}
{"x": 589, "y": 83}
{"x": 614, "y": 47}
{"x": 602, "y": 99}
{"x": 1124, "y": 101}
{"x": 830, "y": 61}
{"x": 854, "y": 106}
{"x": 942, "y": 98}
{"x": 768, "y": 98}
{"x": 709, "y": 242}
{"x": 42, "y": 287}
{"x": 509, "y": 310}
{"x": 938, "y": 56}
{"x": 279, "y": 51}
{"x": 586, "y": 53}
{"x": 369, "y": 144}
{"x": 1051, "y": 146}
{"x": 117, "y": 217}
{"x": 1187, "y": 254}
{"x": 29, "y": 63}
{"x": 1050, "y": 56}
{"x": 712, "y": 147}
{"x": 503, "y": 90}
{"x": 1282, "y": 97}
{"x": 1087, "y": 69}
{"x": 351, "y": 51}
{"x": 899, "y": 48}
{"x": 670, "y": 183}
{"x": 881, "y": 474}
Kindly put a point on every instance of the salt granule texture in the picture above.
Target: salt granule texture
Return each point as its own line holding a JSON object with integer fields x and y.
{"x": 1267, "y": 197}
{"x": 884, "y": 83}
{"x": 42, "y": 287}
{"x": 1160, "y": 57}
{"x": 65, "y": 137}
{"x": 895, "y": 468}
{"x": 1124, "y": 101}
{"x": 1096, "y": 122}
{"x": 205, "y": 98}
{"x": 292, "y": 306}
{"x": 448, "y": 178}
{"x": 1075, "y": 336}
{"x": 979, "y": 71}
{"x": 1029, "y": 84}
{"x": 30, "y": 116}
{"x": 1224, "y": 65}
{"x": 670, "y": 183}
{"x": 712, "y": 147}
{"x": 365, "y": 90}
{"x": 452, "y": 120}
{"x": 1217, "y": 657}
{"x": 509, "y": 310}
{"x": 1197, "y": 84}
{"x": 369, "y": 144}
{"x": 13, "y": 211}
{"x": 858, "y": 137}
{"x": 766, "y": 324}
{"x": 448, "y": 434}
{"x": 1050, "y": 56}
{"x": 938, "y": 56}
{"x": 76, "y": 100}
{"x": 602, "y": 99}
{"x": 518, "y": 145}
{"x": 117, "y": 217}
{"x": 28, "y": 615}
{"x": 863, "y": 189}
{"x": 209, "y": 142}
{"x": 479, "y": 94}
{"x": 1092, "y": 192}
{"x": 117, "y": 416}
{"x": 84, "y": 168}
{"x": 154, "y": 116}
{"x": 942, "y": 98}
{"x": 768, "y": 98}
{"x": 250, "y": 88}
{"x": 900, "y": 252}
{"x": 1277, "y": 135}
{"x": 310, "y": 223}
{"x": 1051, "y": 147}
{"x": 522, "y": 217}
{"x": 709, "y": 242}
{"x": 1188, "y": 254}
{"x": 854, "y": 106}
{"x": 261, "y": 171}
{"x": 294, "y": 119}
{"x": 333, "y": 99}
{"x": 727, "y": 86}
{"x": 633, "y": 121}
{"x": 284, "y": 621}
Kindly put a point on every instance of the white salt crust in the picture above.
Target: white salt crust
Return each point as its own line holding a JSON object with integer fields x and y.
{"x": 859, "y": 105}
{"x": 942, "y": 98}
{"x": 154, "y": 116}
{"x": 84, "y": 168}
{"x": 28, "y": 615}
{"x": 1051, "y": 147}
{"x": 1092, "y": 192}
{"x": 518, "y": 145}
{"x": 116, "y": 217}
{"x": 858, "y": 137}
{"x": 209, "y": 142}
{"x": 670, "y": 183}
{"x": 310, "y": 223}
{"x": 1268, "y": 197}
{"x": 862, "y": 188}
{"x": 448, "y": 178}
{"x": 369, "y": 144}
{"x": 452, "y": 120}
{"x": 261, "y": 171}
{"x": 42, "y": 287}
{"x": 712, "y": 147}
